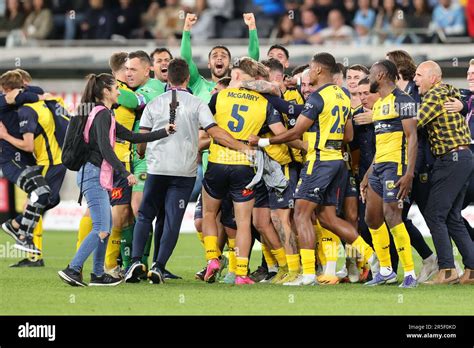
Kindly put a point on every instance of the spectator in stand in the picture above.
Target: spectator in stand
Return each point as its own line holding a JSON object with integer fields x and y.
{"x": 309, "y": 26}
{"x": 149, "y": 20}
{"x": 272, "y": 9}
{"x": 449, "y": 17}
{"x": 349, "y": 10}
{"x": 364, "y": 20}
{"x": 284, "y": 31}
{"x": 470, "y": 18}
{"x": 14, "y": 16}
{"x": 323, "y": 8}
{"x": 98, "y": 22}
{"x": 39, "y": 23}
{"x": 419, "y": 18}
{"x": 336, "y": 32}
{"x": 66, "y": 15}
{"x": 126, "y": 18}
{"x": 383, "y": 23}
{"x": 169, "y": 21}
{"x": 293, "y": 10}
{"x": 212, "y": 17}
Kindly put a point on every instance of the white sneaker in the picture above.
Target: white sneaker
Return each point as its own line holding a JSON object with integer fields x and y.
{"x": 306, "y": 279}
{"x": 429, "y": 268}
{"x": 342, "y": 273}
{"x": 354, "y": 275}
{"x": 115, "y": 272}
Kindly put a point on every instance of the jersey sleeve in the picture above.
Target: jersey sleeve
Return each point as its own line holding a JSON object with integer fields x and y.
{"x": 187, "y": 55}
{"x": 254, "y": 45}
{"x": 146, "y": 121}
{"x": 273, "y": 116}
{"x": 313, "y": 107}
{"x": 128, "y": 99}
{"x": 206, "y": 118}
{"x": 28, "y": 120}
{"x": 212, "y": 103}
{"x": 405, "y": 106}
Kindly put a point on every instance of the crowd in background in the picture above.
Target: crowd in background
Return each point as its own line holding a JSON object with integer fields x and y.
{"x": 288, "y": 21}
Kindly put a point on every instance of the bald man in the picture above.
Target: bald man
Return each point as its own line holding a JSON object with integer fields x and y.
{"x": 449, "y": 140}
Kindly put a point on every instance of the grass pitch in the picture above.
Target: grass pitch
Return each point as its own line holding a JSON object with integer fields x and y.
{"x": 39, "y": 291}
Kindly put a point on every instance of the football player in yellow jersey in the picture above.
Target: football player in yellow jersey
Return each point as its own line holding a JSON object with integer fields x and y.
{"x": 388, "y": 182}
{"x": 323, "y": 123}
{"x": 241, "y": 113}
{"x": 38, "y": 127}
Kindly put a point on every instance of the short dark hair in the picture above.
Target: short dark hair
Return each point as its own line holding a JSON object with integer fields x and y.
{"x": 224, "y": 81}
{"x": 327, "y": 60}
{"x": 340, "y": 69}
{"x": 280, "y": 47}
{"x": 178, "y": 71}
{"x": 405, "y": 64}
{"x": 160, "y": 50}
{"x": 299, "y": 69}
{"x": 359, "y": 67}
{"x": 273, "y": 64}
{"x": 142, "y": 55}
{"x": 389, "y": 67}
{"x": 117, "y": 61}
{"x": 364, "y": 81}
{"x": 221, "y": 47}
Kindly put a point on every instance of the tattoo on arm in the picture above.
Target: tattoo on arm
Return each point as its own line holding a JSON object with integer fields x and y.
{"x": 261, "y": 86}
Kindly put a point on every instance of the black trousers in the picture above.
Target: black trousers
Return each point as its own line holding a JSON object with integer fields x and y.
{"x": 165, "y": 197}
{"x": 449, "y": 182}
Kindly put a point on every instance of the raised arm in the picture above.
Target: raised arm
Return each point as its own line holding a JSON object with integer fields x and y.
{"x": 254, "y": 46}
{"x": 186, "y": 51}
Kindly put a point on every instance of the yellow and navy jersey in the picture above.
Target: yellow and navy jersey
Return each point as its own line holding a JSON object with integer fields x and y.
{"x": 388, "y": 113}
{"x": 126, "y": 117}
{"x": 38, "y": 119}
{"x": 279, "y": 152}
{"x": 241, "y": 113}
{"x": 328, "y": 107}
{"x": 293, "y": 96}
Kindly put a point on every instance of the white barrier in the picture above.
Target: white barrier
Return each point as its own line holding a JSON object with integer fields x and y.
{"x": 66, "y": 217}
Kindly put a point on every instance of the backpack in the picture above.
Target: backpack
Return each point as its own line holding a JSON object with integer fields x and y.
{"x": 61, "y": 119}
{"x": 75, "y": 150}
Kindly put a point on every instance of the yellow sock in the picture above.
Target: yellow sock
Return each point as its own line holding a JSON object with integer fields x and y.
{"x": 363, "y": 248}
{"x": 201, "y": 238}
{"x": 293, "y": 262}
{"x": 402, "y": 242}
{"x": 85, "y": 227}
{"x": 280, "y": 256}
{"x": 319, "y": 246}
{"x": 271, "y": 261}
{"x": 37, "y": 240}
{"x": 307, "y": 260}
{"x": 232, "y": 256}
{"x": 329, "y": 244}
{"x": 210, "y": 244}
{"x": 242, "y": 266}
{"x": 381, "y": 242}
{"x": 113, "y": 248}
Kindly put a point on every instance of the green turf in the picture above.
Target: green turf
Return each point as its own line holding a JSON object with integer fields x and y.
{"x": 37, "y": 291}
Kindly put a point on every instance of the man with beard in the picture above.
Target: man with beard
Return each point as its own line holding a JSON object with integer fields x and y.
{"x": 161, "y": 58}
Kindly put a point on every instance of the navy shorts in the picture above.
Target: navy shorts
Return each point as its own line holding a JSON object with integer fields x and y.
{"x": 12, "y": 170}
{"x": 383, "y": 179}
{"x": 261, "y": 196}
{"x": 324, "y": 184}
{"x": 285, "y": 200}
{"x": 55, "y": 177}
{"x": 222, "y": 179}
{"x": 351, "y": 186}
{"x": 121, "y": 193}
{"x": 227, "y": 213}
